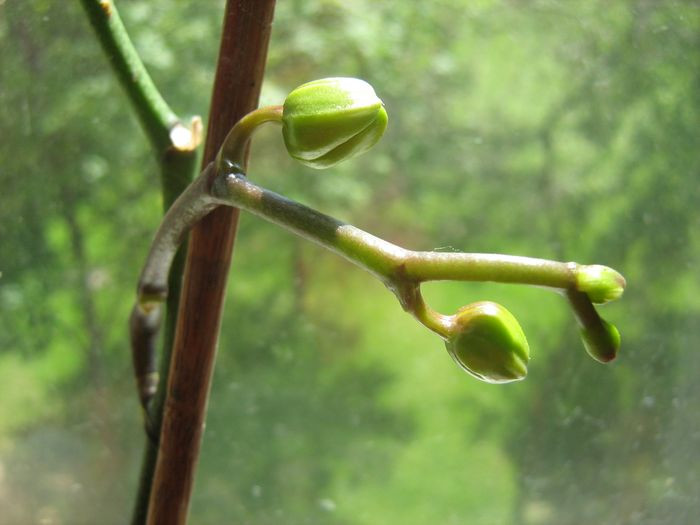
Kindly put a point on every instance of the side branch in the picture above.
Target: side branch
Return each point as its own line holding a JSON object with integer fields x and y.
{"x": 440, "y": 266}
{"x": 401, "y": 270}
{"x": 187, "y": 210}
{"x": 153, "y": 289}
{"x": 156, "y": 117}
{"x": 392, "y": 264}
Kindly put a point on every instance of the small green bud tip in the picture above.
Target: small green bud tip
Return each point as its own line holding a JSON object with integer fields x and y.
{"x": 327, "y": 121}
{"x": 488, "y": 343}
{"x": 602, "y": 284}
{"x": 602, "y": 341}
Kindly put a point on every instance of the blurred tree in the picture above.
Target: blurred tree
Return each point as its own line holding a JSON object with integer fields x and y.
{"x": 633, "y": 107}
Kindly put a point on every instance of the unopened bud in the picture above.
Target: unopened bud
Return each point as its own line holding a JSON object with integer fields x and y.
{"x": 601, "y": 340}
{"x": 600, "y": 283}
{"x": 329, "y": 120}
{"x": 487, "y": 342}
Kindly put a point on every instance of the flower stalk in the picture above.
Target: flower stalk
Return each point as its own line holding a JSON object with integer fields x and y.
{"x": 483, "y": 338}
{"x": 401, "y": 270}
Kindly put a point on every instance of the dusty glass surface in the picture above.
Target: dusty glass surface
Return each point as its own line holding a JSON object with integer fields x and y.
{"x": 553, "y": 129}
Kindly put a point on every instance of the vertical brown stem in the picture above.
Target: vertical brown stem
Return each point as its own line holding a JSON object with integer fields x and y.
{"x": 242, "y": 55}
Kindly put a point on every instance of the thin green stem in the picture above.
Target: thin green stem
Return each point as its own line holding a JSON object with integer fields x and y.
{"x": 395, "y": 266}
{"x": 174, "y": 146}
{"x": 412, "y": 300}
{"x": 601, "y": 339}
{"x": 436, "y": 266}
{"x": 391, "y": 263}
{"x": 235, "y": 144}
{"x": 156, "y": 117}
{"x": 371, "y": 253}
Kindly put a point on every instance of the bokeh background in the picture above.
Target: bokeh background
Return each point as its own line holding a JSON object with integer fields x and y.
{"x": 546, "y": 128}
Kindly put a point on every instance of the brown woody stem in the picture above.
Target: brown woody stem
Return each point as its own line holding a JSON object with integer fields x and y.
{"x": 242, "y": 56}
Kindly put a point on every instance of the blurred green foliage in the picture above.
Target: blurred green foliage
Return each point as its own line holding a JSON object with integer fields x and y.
{"x": 543, "y": 128}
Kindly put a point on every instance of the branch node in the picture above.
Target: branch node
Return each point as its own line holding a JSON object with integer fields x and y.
{"x": 106, "y": 6}
{"x": 185, "y": 138}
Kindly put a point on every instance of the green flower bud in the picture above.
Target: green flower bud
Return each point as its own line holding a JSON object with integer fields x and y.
{"x": 602, "y": 284}
{"x": 602, "y": 341}
{"x": 487, "y": 342}
{"x": 329, "y": 120}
